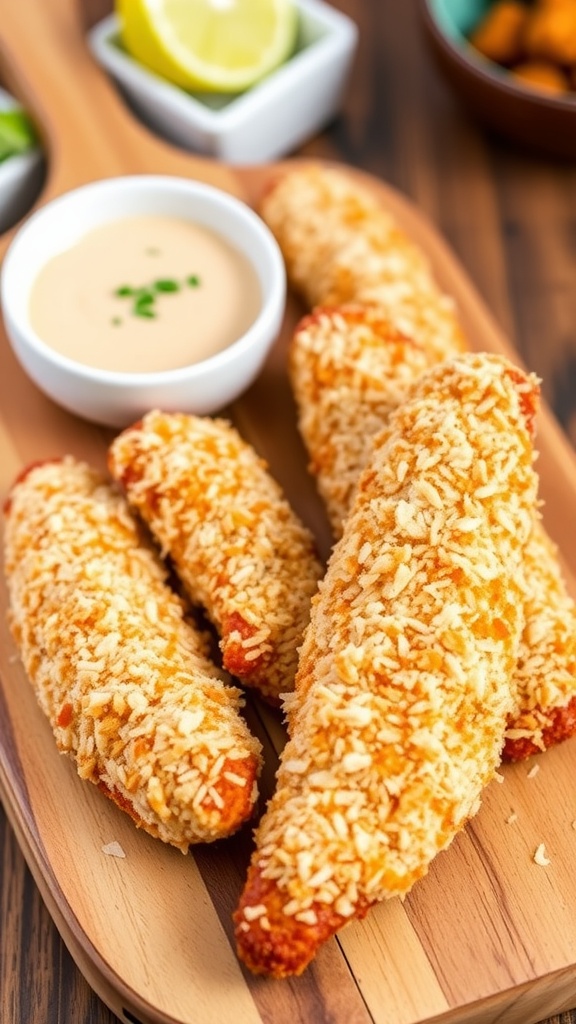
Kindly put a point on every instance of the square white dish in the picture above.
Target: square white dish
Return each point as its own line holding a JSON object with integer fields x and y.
{"x": 267, "y": 121}
{"x": 20, "y": 177}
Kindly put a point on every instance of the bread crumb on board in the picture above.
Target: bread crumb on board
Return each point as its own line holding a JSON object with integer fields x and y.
{"x": 533, "y": 771}
{"x": 511, "y": 818}
{"x": 113, "y": 850}
{"x": 540, "y": 856}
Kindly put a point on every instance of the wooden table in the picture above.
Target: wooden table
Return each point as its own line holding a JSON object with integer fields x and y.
{"x": 510, "y": 219}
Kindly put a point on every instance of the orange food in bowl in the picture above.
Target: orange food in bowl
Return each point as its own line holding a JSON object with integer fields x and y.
{"x": 551, "y": 32}
{"x": 498, "y": 36}
{"x": 535, "y": 41}
{"x": 541, "y": 74}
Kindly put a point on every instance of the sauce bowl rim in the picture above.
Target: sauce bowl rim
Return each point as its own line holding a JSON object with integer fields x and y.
{"x": 273, "y": 290}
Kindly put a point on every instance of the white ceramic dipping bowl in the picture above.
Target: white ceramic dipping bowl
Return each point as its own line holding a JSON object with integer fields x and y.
{"x": 118, "y": 399}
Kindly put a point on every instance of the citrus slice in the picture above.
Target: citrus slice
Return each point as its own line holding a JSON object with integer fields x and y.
{"x": 209, "y": 45}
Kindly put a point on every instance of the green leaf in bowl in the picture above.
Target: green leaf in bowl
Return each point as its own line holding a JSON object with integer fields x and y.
{"x": 17, "y": 133}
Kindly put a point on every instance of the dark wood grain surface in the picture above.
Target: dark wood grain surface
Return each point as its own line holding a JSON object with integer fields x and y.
{"x": 509, "y": 216}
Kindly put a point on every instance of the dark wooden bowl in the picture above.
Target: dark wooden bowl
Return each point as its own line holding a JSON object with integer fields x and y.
{"x": 541, "y": 122}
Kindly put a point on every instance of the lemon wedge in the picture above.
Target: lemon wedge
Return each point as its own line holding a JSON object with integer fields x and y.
{"x": 209, "y": 45}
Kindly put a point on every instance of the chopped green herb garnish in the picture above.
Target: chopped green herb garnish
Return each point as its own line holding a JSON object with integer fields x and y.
{"x": 116, "y": 320}
{"x": 143, "y": 305}
{"x": 167, "y": 285}
{"x": 152, "y": 252}
{"x": 144, "y": 297}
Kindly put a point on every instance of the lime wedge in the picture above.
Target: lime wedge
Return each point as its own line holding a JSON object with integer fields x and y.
{"x": 209, "y": 45}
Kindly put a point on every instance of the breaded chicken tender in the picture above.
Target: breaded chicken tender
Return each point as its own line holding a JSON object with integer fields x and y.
{"x": 125, "y": 681}
{"x": 349, "y": 370}
{"x": 233, "y": 539}
{"x": 340, "y": 246}
{"x": 403, "y": 691}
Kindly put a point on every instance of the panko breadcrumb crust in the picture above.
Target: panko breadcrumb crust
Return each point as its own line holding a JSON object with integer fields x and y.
{"x": 378, "y": 319}
{"x": 545, "y": 675}
{"x": 349, "y": 369}
{"x": 125, "y": 681}
{"x": 403, "y": 691}
{"x": 233, "y": 539}
{"x": 341, "y": 246}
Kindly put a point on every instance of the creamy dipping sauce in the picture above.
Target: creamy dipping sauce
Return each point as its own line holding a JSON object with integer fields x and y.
{"x": 145, "y": 294}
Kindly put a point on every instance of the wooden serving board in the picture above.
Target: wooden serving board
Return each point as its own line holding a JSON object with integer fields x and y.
{"x": 489, "y": 935}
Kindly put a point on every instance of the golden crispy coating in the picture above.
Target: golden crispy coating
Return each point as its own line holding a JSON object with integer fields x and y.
{"x": 398, "y": 717}
{"x": 498, "y": 35}
{"x": 124, "y": 679}
{"x": 232, "y": 537}
{"x": 340, "y": 246}
{"x": 349, "y": 370}
{"x": 546, "y": 670}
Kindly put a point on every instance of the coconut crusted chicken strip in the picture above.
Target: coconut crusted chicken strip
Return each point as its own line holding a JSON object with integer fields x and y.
{"x": 341, "y": 246}
{"x": 239, "y": 549}
{"x": 397, "y": 720}
{"x": 124, "y": 679}
{"x": 349, "y": 370}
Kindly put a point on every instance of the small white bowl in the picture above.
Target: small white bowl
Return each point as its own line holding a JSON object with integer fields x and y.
{"x": 117, "y": 399}
{"x": 20, "y": 177}
{"x": 267, "y": 121}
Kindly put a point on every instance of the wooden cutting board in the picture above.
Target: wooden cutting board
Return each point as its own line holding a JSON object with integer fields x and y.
{"x": 489, "y": 935}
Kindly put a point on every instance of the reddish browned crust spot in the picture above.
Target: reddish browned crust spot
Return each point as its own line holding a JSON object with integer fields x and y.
{"x": 529, "y": 400}
{"x": 233, "y": 651}
{"x": 22, "y": 476}
{"x": 238, "y": 802}
{"x": 562, "y": 726}
{"x": 252, "y": 673}
{"x": 289, "y": 945}
{"x": 65, "y": 716}
{"x": 122, "y": 802}
{"x": 127, "y": 474}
